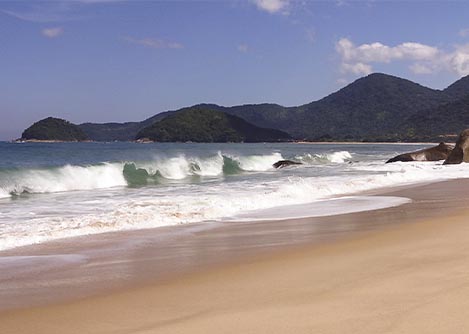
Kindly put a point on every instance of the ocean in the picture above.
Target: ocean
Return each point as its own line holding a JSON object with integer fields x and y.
{"x": 50, "y": 191}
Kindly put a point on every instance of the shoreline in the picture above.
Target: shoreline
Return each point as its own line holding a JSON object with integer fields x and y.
{"x": 387, "y": 278}
{"x": 110, "y": 262}
{"x": 281, "y": 142}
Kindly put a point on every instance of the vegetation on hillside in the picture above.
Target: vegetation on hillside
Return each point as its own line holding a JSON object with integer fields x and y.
{"x": 377, "y": 107}
{"x": 54, "y": 129}
{"x": 202, "y": 125}
{"x": 444, "y": 122}
{"x": 371, "y": 108}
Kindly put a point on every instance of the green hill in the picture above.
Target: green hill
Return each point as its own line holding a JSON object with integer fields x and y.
{"x": 377, "y": 107}
{"x": 54, "y": 129}
{"x": 371, "y": 108}
{"x": 203, "y": 125}
{"x": 459, "y": 89}
{"x": 444, "y": 122}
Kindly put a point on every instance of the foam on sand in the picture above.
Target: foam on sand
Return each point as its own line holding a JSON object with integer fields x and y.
{"x": 337, "y": 206}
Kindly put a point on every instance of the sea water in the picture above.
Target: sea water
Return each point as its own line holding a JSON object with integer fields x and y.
{"x": 56, "y": 190}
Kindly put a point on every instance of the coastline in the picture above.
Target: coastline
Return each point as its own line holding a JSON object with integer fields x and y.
{"x": 365, "y": 143}
{"x": 143, "y": 141}
{"x": 226, "y": 255}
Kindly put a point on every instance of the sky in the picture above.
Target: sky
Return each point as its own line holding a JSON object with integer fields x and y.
{"x": 116, "y": 61}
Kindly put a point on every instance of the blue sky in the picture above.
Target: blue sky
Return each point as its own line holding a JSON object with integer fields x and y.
{"x": 104, "y": 60}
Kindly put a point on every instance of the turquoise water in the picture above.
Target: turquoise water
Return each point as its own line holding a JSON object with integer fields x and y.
{"x": 56, "y": 190}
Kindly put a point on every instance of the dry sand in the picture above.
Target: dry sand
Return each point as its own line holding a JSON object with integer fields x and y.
{"x": 408, "y": 278}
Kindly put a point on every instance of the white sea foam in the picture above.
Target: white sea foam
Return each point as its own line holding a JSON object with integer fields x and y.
{"x": 4, "y": 194}
{"x": 257, "y": 163}
{"x": 334, "y": 157}
{"x": 153, "y": 207}
{"x": 182, "y": 166}
{"x": 107, "y": 175}
{"x": 114, "y": 209}
{"x": 61, "y": 179}
{"x": 339, "y": 157}
{"x": 210, "y": 166}
{"x": 321, "y": 208}
{"x": 176, "y": 168}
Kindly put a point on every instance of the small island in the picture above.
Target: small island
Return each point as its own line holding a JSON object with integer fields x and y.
{"x": 208, "y": 126}
{"x": 54, "y": 129}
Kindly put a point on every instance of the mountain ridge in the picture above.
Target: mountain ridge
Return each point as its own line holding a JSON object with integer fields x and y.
{"x": 377, "y": 107}
{"x": 204, "y": 125}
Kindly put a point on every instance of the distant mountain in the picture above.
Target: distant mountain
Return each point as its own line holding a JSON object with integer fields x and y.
{"x": 371, "y": 108}
{"x": 120, "y": 131}
{"x": 459, "y": 89}
{"x": 204, "y": 125}
{"x": 54, "y": 129}
{"x": 444, "y": 122}
{"x": 111, "y": 131}
{"x": 377, "y": 107}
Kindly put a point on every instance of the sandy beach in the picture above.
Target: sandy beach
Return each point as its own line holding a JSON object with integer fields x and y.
{"x": 399, "y": 270}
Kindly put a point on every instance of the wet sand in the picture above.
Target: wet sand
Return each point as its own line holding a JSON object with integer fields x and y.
{"x": 396, "y": 270}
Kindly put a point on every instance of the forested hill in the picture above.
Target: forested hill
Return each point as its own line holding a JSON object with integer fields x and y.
{"x": 54, "y": 129}
{"x": 377, "y": 107}
{"x": 204, "y": 125}
{"x": 459, "y": 89}
{"x": 371, "y": 108}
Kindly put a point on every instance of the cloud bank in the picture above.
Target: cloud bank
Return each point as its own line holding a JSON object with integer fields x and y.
{"x": 422, "y": 59}
{"x": 273, "y": 6}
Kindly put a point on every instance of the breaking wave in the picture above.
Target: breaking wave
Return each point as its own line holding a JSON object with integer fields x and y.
{"x": 107, "y": 175}
{"x": 14, "y": 182}
{"x": 60, "y": 179}
{"x": 182, "y": 167}
{"x": 335, "y": 157}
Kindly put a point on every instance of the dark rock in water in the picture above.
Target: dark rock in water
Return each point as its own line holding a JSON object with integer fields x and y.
{"x": 285, "y": 163}
{"x": 461, "y": 151}
{"x": 440, "y": 152}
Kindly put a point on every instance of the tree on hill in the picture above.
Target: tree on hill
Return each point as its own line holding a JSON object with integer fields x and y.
{"x": 54, "y": 129}
{"x": 201, "y": 125}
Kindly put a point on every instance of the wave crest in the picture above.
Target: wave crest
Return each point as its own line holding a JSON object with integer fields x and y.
{"x": 181, "y": 167}
{"x": 66, "y": 178}
{"x": 334, "y": 157}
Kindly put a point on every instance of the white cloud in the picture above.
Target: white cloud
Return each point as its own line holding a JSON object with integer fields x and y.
{"x": 424, "y": 59}
{"x": 154, "y": 43}
{"x": 458, "y": 61}
{"x": 419, "y": 68}
{"x": 273, "y": 6}
{"x": 380, "y": 53}
{"x": 243, "y": 48}
{"x": 357, "y": 68}
{"x": 52, "y": 32}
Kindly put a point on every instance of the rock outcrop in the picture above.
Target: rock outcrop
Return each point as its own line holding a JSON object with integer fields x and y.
{"x": 461, "y": 151}
{"x": 285, "y": 163}
{"x": 436, "y": 153}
